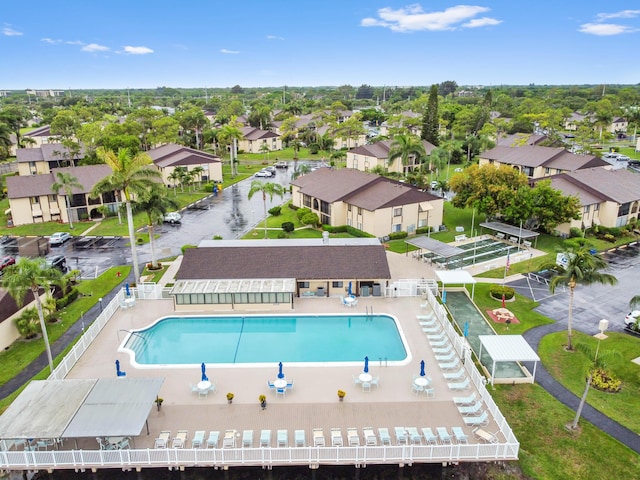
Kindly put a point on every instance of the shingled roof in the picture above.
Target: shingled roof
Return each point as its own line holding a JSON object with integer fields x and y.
{"x": 172, "y": 154}
{"x": 308, "y": 262}
{"x": 535, "y": 156}
{"x": 35, "y": 185}
{"x": 599, "y": 184}
{"x": 47, "y": 152}
{"x": 381, "y": 149}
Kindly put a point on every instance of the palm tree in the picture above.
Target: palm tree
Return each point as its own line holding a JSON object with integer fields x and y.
{"x": 269, "y": 188}
{"x": 197, "y": 173}
{"x": 450, "y": 146}
{"x": 635, "y": 301}
{"x": 300, "y": 170}
{"x": 32, "y": 275}
{"x": 406, "y": 147}
{"x": 229, "y": 135}
{"x": 582, "y": 268}
{"x": 130, "y": 174}
{"x": 154, "y": 203}
{"x": 66, "y": 182}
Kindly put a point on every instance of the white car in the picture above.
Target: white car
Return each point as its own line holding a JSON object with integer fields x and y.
{"x": 263, "y": 173}
{"x": 632, "y": 318}
{"x": 59, "y": 238}
{"x": 172, "y": 217}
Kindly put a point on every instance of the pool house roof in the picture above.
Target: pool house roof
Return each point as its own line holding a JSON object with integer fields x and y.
{"x": 507, "y": 348}
{"x": 259, "y": 285}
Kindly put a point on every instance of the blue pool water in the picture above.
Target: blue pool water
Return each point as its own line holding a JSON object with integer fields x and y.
{"x": 191, "y": 340}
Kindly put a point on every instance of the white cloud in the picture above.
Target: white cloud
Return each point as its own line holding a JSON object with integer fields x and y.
{"x": 94, "y": 47}
{"x": 137, "y": 50}
{"x": 482, "y": 22}
{"x": 413, "y": 18}
{"x": 274, "y": 37}
{"x": 232, "y": 52}
{"x": 622, "y": 14}
{"x": 605, "y": 29}
{"x": 75, "y": 42}
{"x": 7, "y": 31}
{"x": 50, "y": 41}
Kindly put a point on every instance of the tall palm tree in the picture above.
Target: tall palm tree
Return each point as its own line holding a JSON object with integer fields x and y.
{"x": 582, "y": 268}
{"x": 67, "y": 182}
{"x": 32, "y": 275}
{"x": 131, "y": 174}
{"x": 229, "y": 135}
{"x": 266, "y": 188}
{"x": 175, "y": 178}
{"x": 154, "y": 203}
{"x": 405, "y": 147}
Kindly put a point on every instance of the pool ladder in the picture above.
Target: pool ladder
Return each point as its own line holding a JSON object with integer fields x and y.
{"x": 367, "y": 310}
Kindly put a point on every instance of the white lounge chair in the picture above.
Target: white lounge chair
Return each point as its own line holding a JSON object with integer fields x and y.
{"x": 369, "y": 436}
{"x": 446, "y": 358}
{"x": 299, "y": 438}
{"x": 318, "y": 437}
{"x": 455, "y": 375}
{"x": 247, "y": 438}
{"x": 212, "y": 441}
{"x": 401, "y": 435}
{"x": 429, "y": 436}
{"x": 229, "y": 439}
{"x": 485, "y": 436}
{"x": 265, "y": 438}
{"x": 468, "y": 400}
{"x": 437, "y": 337}
{"x": 180, "y": 439}
{"x": 474, "y": 409}
{"x": 198, "y": 439}
{"x": 442, "y": 350}
{"x": 439, "y": 343}
{"x": 383, "y": 434}
{"x": 352, "y": 437}
{"x": 163, "y": 439}
{"x": 463, "y": 385}
{"x": 430, "y": 330}
{"x": 443, "y": 435}
{"x": 480, "y": 420}
{"x": 283, "y": 438}
{"x": 336, "y": 437}
{"x": 449, "y": 365}
{"x": 414, "y": 435}
{"x": 459, "y": 435}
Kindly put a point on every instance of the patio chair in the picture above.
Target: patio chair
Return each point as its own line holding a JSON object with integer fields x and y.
{"x": 430, "y": 392}
{"x": 163, "y": 439}
{"x": 439, "y": 343}
{"x": 247, "y": 438}
{"x": 468, "y": 400}
{"x": 352, "y": 437}
{"x": 443, "y": 435}
{"x": 438, "y": 337}
{"x": 265, "y": 438}
{"x": 271, "y": 385}
{"x": 383, "y": 434}
{"x": 198, "y": 439}
{"x": 336, "y": 437}
{"x": 212, "y": 441}
{"x": 375, "y": 381}
{"x": 356, "y": 379}
{"x": 229, "y": 439}
{"x": 103, "y": 445}
{"x": 290, "y": 385}
{"x": 474, "y": 409}
{"x": 427, "y": 317}
{"x": 429, "y": 436}
{"x": 282, "y": 438}
{"x": 432, "y": 330}
{"x": 459, "y": 435}
{"x": 299, "y": 438}
{"x": 369, "y": 436}
{"x": 463, "y": 385}
{"x": 123, "y": 444}
{"x": 44, "y": 444}
{"x": 442, "y": 350}
{"x": 366, "y": 386}
{"x": 194, "y": 388}
{"x": 401, "y": 435}
{"x": 417, "y": 388}
{"x": 485, "y": 436}
{"x": 180, "y": 439}
{"x": 281, "y": 391}
{"x": 212, "y": 388}
{"x": 414, "y": 435}
{"x": 446, "y": 358}
{"x": 449, "y": 365}
{"x": 480, "y": 420}
{"x": 318, "y": 437}
{"x": 455, "y": 375}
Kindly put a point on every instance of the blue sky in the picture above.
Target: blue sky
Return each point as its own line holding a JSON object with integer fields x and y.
{"x": 198, "y": 43}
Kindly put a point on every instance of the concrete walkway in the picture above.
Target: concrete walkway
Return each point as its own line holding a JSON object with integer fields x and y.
{"x": 564, "y": 396}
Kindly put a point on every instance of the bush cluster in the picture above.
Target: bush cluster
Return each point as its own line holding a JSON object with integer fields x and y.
{"x": 397, "y": 235}
{"x": 348, "y": 229}
{"x": 67, "y": 299}
{"x": 496, "y": 291}
{"x": 605, "y": 381}
{"x": 275, "y": 211}
{"x": 421, "y": 230}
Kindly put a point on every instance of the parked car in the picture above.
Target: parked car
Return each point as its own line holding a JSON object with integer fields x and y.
{"x": 634, "y": 163}
{"x": 6, "y": 261}
{"x": 434, "y": 185}
{"x": 632, "y": 318}
{"x": 59, "y": 238}
{"x": 263, "y": 173}
{"x": 622, "y": 158}
{"x": 271, "y": 169}
{"x": 172, "y": 217}
{"x": 57, "y": 261}
{"x": 282, "y": 164}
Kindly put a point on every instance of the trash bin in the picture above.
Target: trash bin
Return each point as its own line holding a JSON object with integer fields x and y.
{"x": 376, "y": 290}
{"x": 364, "y": 291}
{"x": 320, "y": 292}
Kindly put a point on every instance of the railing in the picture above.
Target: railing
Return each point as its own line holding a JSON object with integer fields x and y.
{"x": 280, "y": 456}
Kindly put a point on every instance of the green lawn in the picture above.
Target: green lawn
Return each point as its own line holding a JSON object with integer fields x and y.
{"x": 569, "y": 369}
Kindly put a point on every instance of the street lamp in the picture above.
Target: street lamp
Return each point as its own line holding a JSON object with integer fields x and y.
{"x": 100, "y": 300}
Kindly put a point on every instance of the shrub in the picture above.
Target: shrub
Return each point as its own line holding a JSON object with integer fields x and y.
{"x": 605, "y": 381}
{"x": 575, "y": 232}
{"x": 282, "y": 235}
{"x": 288, "y": 227}
{"x": 609, "y": 238}
{"x": 310, "y": 219}
{"x": 496, "y": 291}
{"x": 185, "y": 247}
{"x": 217, "y": 237}
{"x": 67, "y": 299}
{"x": 422, "y": 230}
{"x": 301, "y": 212}
{"x": 397, "y": 235}
{"x": 275, "y": 211}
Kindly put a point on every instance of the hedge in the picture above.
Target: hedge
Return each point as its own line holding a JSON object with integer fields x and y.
{"x": 496, "y": 291}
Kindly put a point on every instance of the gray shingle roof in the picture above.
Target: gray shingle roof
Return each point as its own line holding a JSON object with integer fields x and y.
{"x": 179, "y": 155}
{"x": 381, "y": 149}
{"x": 620, "y": 186}
{"x": 535, "y": 156}
{"x": 35, "y": 185}
{"x": 301, "y": 262}
{"x": 48, "y": 152}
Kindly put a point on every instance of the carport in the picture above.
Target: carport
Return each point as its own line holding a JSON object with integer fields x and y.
{"x": 514, "y": 234}
{"x": 76, "y": 408}
{"x": 437, "y": 248}
{"x": 458, "y": 277}
{"x": 507, "y": 348}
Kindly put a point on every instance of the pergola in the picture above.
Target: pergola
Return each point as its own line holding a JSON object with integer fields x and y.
{"x": 456, "y": 278}
{"x": 436, "y": 246}
{"x": 507, "y": 348}
{"x": 511, "y": 232}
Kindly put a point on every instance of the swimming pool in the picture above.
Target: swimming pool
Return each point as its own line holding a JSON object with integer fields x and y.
{"x": 242, "y": 339}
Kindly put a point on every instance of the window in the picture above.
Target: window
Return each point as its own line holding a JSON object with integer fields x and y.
{"x": 348, "y": 207}
{"x": 596, "y": 207}
{"x": 547, "y": 170}
{"x": 52, "y": 198}
{"x": 303, "y": 284}
{"x": 586, "y": 210}
{"x": 35, "y": 200}
{"x": 397, "y": 212}
{"x": 359, "y": 211}
{"x": 397, "y": 227}
{"x": 337, "y": 284}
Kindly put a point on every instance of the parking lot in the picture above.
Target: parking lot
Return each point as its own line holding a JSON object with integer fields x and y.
{"x": 593, "y": 302}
